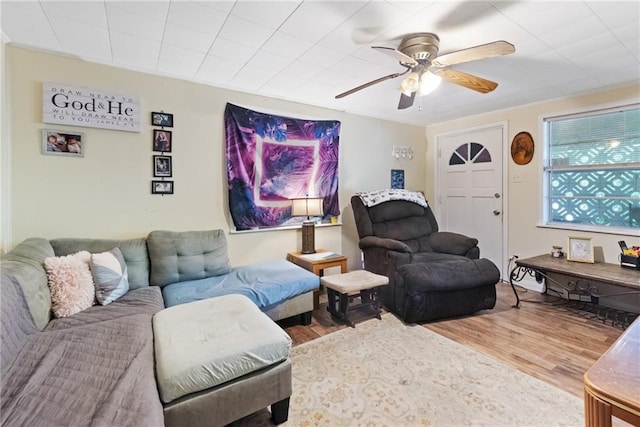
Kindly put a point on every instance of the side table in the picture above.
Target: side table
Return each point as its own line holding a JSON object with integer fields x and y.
{"x": 316, "y": 264}
{"x": 612, "y": 384}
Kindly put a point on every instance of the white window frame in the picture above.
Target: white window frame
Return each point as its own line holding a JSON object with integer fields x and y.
{"x": 545, "y": 120}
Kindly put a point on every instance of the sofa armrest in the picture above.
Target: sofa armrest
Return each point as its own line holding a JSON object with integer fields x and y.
{"x": 452, "y": 243}
{"x": 389, "y": 244}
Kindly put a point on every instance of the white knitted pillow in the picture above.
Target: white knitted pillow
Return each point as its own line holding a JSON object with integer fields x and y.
{"x": 70, "y": 282}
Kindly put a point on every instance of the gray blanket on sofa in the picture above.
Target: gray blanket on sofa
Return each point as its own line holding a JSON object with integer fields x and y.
{"x": 92, "y": 369}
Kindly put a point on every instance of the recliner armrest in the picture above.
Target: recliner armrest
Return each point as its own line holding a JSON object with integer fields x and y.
{"x": 378, "y": 242}
{"x": 452, "y": 243}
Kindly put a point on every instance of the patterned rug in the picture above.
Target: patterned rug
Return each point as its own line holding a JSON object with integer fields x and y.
{"x": 386, "y": 373}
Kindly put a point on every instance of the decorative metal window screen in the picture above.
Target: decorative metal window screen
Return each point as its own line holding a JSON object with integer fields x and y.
{"x": 593, "y": 169}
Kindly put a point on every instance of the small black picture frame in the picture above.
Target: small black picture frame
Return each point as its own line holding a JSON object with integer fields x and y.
{"x": 162, "y": 119}
{"x": 161, "y": 187}
{"x": 162, "y": 140}
{"x": 162, "y": 166}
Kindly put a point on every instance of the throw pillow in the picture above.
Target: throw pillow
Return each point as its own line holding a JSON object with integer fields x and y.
{"x": 70, "y": 282}
{"x": 110, "y": 275}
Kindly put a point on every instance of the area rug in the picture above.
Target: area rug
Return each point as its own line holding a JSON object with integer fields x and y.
{"x": 386, "y": 373}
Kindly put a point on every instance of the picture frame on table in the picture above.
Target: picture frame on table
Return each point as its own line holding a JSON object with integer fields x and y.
{"x": 580, "y": 249}
{"x": 161, "y": 187}
{"x": 63, "y": 143}
{"x": 162, "y": 140}
{"x": 162, "y": 166}
{"x": 162, "y": 119}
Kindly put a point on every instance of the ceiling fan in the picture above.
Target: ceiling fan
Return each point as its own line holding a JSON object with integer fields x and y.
{"x": 418, "y": 53}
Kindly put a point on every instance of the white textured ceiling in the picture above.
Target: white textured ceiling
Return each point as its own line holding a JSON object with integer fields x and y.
{"x": 309, "y": 51}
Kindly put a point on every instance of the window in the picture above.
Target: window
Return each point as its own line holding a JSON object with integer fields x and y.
{"x": 592, "y": 170}
{"x": 470, "y": 152}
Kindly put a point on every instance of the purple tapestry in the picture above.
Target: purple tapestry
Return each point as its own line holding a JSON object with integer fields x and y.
{"x": 271, "y": 159}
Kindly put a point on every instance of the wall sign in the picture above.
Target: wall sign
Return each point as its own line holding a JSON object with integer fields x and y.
{"x": 95, "y": 108}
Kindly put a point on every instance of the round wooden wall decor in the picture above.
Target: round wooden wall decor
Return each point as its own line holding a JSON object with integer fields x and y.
{"x": 522, "y": 148}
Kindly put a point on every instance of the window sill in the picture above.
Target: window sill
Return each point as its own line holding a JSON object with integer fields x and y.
{"x": 593, "y": 229}
{"x": 283, "y": 227}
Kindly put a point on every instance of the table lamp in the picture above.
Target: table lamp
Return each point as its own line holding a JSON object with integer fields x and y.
{"x": 308, "y": 206}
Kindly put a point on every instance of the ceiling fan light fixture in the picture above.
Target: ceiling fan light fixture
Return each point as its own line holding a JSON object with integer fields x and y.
{"x": 428, "y": 83}
{"x": 411, "y": 83}
{"x": 418, "y": 52}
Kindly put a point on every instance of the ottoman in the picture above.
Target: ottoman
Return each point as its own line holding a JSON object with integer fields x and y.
{"x": 428, "y": 291}
{"x": 342, "y": 289}
{"x": 220, "y": 359}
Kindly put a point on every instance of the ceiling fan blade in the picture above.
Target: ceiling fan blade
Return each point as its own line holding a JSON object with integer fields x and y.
{"x": 371, "y": 83}
{"x": 406, "y": 101}
{"x": 468, "y": 80}
{"x": 482, "y": 51}
{"x": 404, "y": 59}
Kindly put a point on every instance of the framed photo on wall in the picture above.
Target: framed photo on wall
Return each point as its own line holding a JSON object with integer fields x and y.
{"x": 580, "y": 249}
{"x": 397, "y": 179}
{"x": 162, "y": 140}
{"x": 162, "y": 119}
{"x": 161, "y": 187}
{"x": 62, "y": 143}
{"x": 162, "y": 166}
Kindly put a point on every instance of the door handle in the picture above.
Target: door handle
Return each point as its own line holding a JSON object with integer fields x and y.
{"x": 496, "y": 212}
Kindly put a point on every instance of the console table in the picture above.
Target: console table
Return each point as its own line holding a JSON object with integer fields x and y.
{"x": 319, "y": 264}
{"x": 587, "y": 279}
{"x": 612, "y": 384}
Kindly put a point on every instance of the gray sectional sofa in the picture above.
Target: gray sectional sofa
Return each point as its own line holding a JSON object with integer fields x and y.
{"x": 99, "y": 366}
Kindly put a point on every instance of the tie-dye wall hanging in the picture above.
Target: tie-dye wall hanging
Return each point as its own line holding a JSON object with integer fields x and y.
{"x": 271, "y": 159}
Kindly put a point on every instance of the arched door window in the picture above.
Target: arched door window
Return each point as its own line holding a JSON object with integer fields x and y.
{"x": 470, "y": 152}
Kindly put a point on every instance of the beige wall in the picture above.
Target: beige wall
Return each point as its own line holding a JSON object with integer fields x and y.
{"x": 525, "y": 238}
{"x": 5, "y": 164}
{"x": 107, "y": 193}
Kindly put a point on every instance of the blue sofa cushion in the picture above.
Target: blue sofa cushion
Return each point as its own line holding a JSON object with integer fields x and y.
{"x": 266, "y": 284}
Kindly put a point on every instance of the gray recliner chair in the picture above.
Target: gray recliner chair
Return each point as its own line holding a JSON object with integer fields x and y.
{"x": 432, "y": 274}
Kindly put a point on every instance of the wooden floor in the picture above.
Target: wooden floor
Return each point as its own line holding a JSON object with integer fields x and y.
{"x": 543, "y": 338}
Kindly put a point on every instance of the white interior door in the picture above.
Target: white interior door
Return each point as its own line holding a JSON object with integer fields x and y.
{"x": 470, "y": 188}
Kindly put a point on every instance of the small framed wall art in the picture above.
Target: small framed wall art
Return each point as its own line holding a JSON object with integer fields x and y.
{"x": 580, "y": 249}
{"x": 162, "y": 140}
{"x": 397, "y": 179}
{"x": 161, "y": 187}
{"x": 162, "y": 119}
{"x": 62, "y": 143}
{"x": 522, "y": 148}
{"x": 162, "y": 166}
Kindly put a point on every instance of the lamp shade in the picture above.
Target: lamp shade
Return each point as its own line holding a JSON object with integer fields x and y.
{"x": 428, "y": 83}
{"x": 411, "y": 83}
{"x": 308, "y": 206}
